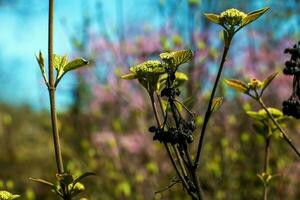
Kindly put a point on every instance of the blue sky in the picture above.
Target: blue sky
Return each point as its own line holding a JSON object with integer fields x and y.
{"x": 24, "y": 32}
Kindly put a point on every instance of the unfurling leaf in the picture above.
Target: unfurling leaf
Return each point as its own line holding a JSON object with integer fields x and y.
{"x": 177, "y": 58}
{"x": 82, "y": 176}
{"x": 182, "y": 56}
{"x": 59, "y": 62}
{"x": 254, "y": 16}
{"x": 237, "y": 85}
{"x": 47, "y": 183}
{"x": 265, "y": 177}
{"x": 41, "y": 62}
{"x": 76, "y": 189}
{"x": 213, "y": 18}
{"x": 216, "y": 103}
{"x": 129, "y": 76}
{"x": 267, "y": 81}
{"x": 75, "y": 64}
{"x": 4, "y": 195}
{"x": 62, "y": 65}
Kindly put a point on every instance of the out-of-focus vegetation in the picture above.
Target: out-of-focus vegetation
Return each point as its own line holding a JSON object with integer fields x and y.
{"x": 105, "y": 130}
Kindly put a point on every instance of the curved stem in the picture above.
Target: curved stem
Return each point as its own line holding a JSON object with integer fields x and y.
{"x": 208, "y": 111}
{"x": 285, "y": 136}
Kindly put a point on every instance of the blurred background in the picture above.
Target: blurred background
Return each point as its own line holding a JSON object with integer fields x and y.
{"x": 104, "y": 120}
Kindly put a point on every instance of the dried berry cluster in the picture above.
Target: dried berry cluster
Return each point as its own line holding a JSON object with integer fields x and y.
{"x": 291, "y": 106}
{"x": 182, "y": 132}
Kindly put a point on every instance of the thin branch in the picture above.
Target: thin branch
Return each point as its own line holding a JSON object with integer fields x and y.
{"x": 56, "y": 139}
{"x": 208, "y": 111}
{"x": 285, "y": 136}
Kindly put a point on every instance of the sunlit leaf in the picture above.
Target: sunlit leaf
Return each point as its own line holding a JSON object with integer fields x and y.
{"x": 267, "y": 81}
{"x": 182, "y": 56}
{"x": 262, "y": 114}
{"x": 5, "y": 195}
{"x": 213, "y": 18}
{"x": 76, "y": 189}
{"x": 75, "y": 64}
{"x": 253, "y": 16}
{"x": 129, "y": 76}
{"x": 177, "y": 58}
{"x": 217, "y": 102}
{"x": 237, "y": 85}
{"x": 59, "y": 62}
{"x": 148, "y": 69}
{"x": 41, "y": 61}
{"x": 265, "y": 177}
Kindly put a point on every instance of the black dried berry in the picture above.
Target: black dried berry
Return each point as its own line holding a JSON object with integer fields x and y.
{"x": 152, "y": 129}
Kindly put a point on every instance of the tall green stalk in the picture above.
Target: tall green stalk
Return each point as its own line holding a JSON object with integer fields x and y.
{"x": 209, "y": 110}
{"x": 51, "y": 89}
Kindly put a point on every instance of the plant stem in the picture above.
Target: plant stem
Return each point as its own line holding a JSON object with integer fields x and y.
{"x": 51, "y": 88}
{"x": 191, "y": 168}
{"x": 166, "y": 145}
{"x": 266, "y": 165}
{"x": 285, "y": 136}
{"x": 208, "y": 111}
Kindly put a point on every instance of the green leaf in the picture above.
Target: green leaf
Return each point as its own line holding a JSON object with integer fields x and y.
{"x": 182, "y": 56}
{"x": 148, "y": 69}
{"x": 5, "y": 195}
{"x": 47, "y": 183}
{"x": 129, "y": 76}
{"x": 64, "y": 66}
{"x": 213, "y": 18}
{"x": 180, "y": 79}
{"x": 41, "y": 61}
{"x": 262, "y": 114}
{"x": 59, "y": 62}
{"x": 227, "y": 38}
{"x": 265, "y": 177}
{"x": 75, "y": 64}
{"x": 267, "y": 81}
{"x": 82, "y": 176}
{"x": 256, "y": 115}
{"x": 216, "y": 103}
{"x": 253, "y": 16}
{"x": 237, "y": 85}
{"x": 177, "y": 58}
{"x": 76, "y": 189}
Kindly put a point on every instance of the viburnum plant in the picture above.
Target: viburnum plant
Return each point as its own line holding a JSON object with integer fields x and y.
{"x": 175, "y": 123}
{"x": 269, "y": 121}
{"x": 67, "y": 186}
